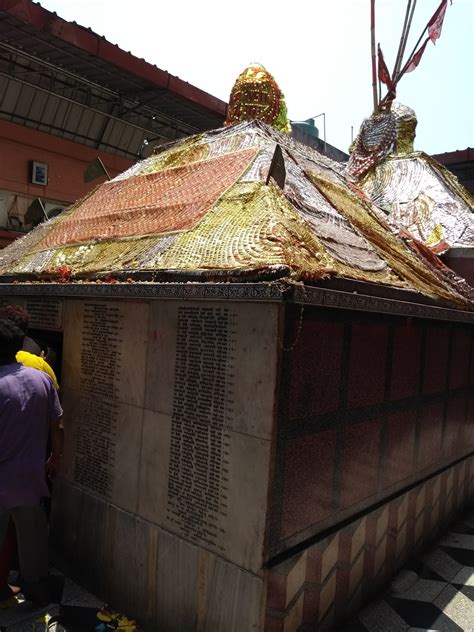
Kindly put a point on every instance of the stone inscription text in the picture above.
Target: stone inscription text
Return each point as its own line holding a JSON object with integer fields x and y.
{"x": 101, "y": 361}
{"x": 198, "y": 474}
{"x": 45, "y": 313}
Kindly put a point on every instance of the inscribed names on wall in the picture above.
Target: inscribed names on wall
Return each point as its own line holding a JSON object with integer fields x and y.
{"x": 45, "y": 313}
{"x": 207, "y": 429}
{"x": 101, "y": 361}
{"x": 105, "y": 367}
{"x": 12, "y": 300}
{"x": 202, "y": 408}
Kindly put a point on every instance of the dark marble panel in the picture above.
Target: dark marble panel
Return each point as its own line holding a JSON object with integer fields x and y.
{"x": 468, "y": 430}
{"x": 429, "y": 433}
{"x": 366, "y": 382}
{"x": 359, "y": 461}
{"x": 406, "y": 361}
{"x": 308, "y": 481}
{"x": 459, "y": 365}
{"x": 436, "y": 359}
{"x": 398, "y": 461}
{"x": 472, "y": 359}
{"x": 454, "y": 426}
{"x": 316, "y": 369}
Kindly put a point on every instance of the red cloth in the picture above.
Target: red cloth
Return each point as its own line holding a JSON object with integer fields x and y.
{"x": 435, "y": 25}
{"x": 384, "y": 74}
{"x": 415, "y": 60}
{"x": 7, "y": 552}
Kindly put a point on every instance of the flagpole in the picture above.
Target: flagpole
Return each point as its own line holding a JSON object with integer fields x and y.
{"x": 372, "y": 41}
{"x": 400, "y": 74}
{"x": 396, "y": 68}
{"x": 436, "y": 13}
{"x": 405, "y": 40}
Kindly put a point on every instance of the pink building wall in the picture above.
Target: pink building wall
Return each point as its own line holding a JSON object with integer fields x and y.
{"x": 66, "y": 161}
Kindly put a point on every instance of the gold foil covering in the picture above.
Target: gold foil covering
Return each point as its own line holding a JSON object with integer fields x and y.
{"x": 423, "y": 198}
{"x": 360, "y": 213}
{"x": 418, "y": 195}
{"x": 256, "y": 96}
{"x": 317, "y": 227}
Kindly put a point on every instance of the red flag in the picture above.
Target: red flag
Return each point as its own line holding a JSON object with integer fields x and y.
{"x": 384, "y": 75}
{"x": 436, "y": 23}
{"x": 415, "y": 60}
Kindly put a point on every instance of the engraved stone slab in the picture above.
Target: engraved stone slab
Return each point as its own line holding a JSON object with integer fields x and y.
{"x": 166, "y": 582}
{"x": 102, "y": 447}
{"x": 206, "y": 442}
{"x": 213, "y": 496}
{"x": 209, "y": 354}
{"x": 12, "y": 300}
{"x": 104, "y": 385}
{"x": 105, "y": 349}
{"x": 45, "y": 313}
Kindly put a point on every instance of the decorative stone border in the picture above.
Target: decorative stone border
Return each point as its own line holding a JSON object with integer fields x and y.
{"x": 269, "y": 292}
{"x": 362, "y": 302}
{"x": 274, "y": 291}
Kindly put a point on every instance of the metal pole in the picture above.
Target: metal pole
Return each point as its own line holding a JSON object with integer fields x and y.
{"x": 405, "y": 40}
{"x": 324, "y": 127}
{"x": 372, "y": 44}
{"x": 398, "y": 61}
{"x": 402, "y": 71}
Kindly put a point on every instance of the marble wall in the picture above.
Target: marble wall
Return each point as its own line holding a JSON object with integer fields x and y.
{"x": 369, "y": 405}
{"x": 169, "y": 414}
{"x": 203, "y": 446}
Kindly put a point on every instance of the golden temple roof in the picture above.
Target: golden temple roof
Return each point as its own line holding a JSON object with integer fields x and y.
{"x": 201, "y": 209}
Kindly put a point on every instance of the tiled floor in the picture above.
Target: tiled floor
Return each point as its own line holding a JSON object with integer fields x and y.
{"x": 432, "y": 592}
{"x": 23, "y": 618}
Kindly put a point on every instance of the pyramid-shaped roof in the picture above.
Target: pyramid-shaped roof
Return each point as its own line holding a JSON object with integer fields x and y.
{"x": 205, "y": 209}
{"x": 416, "y": 193}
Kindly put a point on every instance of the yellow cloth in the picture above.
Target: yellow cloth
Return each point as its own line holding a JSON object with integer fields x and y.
{"x": 35, "y": 362}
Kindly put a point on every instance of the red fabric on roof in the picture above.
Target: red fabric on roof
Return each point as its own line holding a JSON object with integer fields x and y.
{"x": 170, "y": 200}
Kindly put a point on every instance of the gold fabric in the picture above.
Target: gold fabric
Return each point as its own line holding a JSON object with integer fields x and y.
{"x": 422, "y": 197}
{"x": 418, "y": 194}
{"x": 256, "y": 96}
{"x": 316, "y": 227}
{"x": 391, "y": 248}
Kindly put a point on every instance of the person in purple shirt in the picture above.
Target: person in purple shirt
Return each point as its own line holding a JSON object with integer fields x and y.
{"x": 29, "y": 411}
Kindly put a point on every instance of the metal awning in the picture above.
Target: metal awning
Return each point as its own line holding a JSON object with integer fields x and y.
{"x": 63, "y": 79}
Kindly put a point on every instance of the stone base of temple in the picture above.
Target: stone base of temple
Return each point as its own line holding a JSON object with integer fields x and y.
{"x": 320, "y": 587}
{"x": 160, "y": 579}
{"x": 170, "y": 584}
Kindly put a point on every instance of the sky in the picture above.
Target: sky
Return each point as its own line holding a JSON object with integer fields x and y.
{"x": 317, "y": 50}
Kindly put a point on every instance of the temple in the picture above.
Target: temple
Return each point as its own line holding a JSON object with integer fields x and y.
{"x": 268, "y": 389}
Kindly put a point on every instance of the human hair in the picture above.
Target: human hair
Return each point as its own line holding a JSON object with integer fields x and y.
{"x": 17, "y": 315}
{"x": 11, "y": 341}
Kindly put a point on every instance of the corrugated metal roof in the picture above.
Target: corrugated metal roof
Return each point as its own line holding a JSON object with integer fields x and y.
{"x": 60, "y": 78}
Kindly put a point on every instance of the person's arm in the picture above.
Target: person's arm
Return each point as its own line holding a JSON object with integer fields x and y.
{"x": 56, "y": 428}
{"x": 49, "y": 371}
{"x": 57, "y": 443}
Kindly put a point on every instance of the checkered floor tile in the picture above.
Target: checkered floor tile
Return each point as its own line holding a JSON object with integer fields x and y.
{"x": 432, "y": 592}
{"x": 25, "y": 618}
